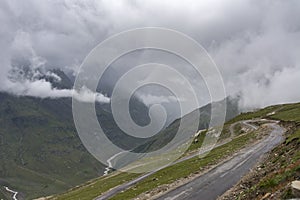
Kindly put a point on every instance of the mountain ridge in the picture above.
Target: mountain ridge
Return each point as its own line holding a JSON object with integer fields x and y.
{"x": 41, "y": 152}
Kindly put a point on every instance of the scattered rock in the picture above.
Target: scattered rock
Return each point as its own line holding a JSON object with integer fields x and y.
{"x": 266, "y": 196}
{"x": 296, "y": 188}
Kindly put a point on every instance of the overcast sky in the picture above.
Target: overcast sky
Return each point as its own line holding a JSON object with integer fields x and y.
{"x": 255, "y": 43}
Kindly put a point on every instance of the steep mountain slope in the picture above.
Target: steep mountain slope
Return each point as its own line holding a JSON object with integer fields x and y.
{"x": 271, "y": 179}
{"x": 274, "y": 174}
{"x": 40, "y": 151}
{"x": 162, "y": 138}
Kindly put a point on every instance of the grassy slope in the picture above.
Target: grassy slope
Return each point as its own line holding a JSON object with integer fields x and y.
{"x": 288, "y": 112}
{"x": 3, "y": 195}
{"x": 90, "y": 190}
{"x": 97, "y": 187}
{"x": 186, "y": 168}
{"x": 289, "y": 168}
{"x": 282, "y": 165}
{"x": 287, "y": 157}
{"x": 94, "y": 188}
{"x": 40, "y": 152}
{"x": 284, "y": 112}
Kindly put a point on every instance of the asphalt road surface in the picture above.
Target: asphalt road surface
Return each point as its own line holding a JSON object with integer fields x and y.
{"x": 194, "y": 186}
{"x": 218, "y": 180}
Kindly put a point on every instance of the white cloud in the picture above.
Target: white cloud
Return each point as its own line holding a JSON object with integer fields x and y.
{"x": 150, "y": 99}
{"x": 86, "y": 95}
{"x": 256, "y": 43}
{"x": 43, "y": 89}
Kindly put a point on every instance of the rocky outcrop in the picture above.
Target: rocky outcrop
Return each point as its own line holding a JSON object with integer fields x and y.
{"x": 296, "y": 188}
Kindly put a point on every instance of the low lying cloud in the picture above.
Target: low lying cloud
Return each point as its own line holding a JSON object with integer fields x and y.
{"x": 255, "y": 43}
{"x": 86, "y": 95}
{"x": 24, "y": 75}
{"x": 43, "y": 89}
{"x": 281, "y": 87}
{"x": 149, "y": 99}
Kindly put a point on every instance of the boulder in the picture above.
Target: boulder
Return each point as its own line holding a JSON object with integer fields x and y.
{"x": 296, "y": 188}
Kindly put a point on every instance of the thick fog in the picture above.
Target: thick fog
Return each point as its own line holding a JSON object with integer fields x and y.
{"x": 255, "y": 43}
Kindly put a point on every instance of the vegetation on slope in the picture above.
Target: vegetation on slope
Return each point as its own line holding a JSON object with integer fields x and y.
{"x": 164, "y": 176}
{"x": 194, "y": 165}
{"x": 271, "y": 179}
{"x": 40, "y": 151}
{"x": 184, "y": 169}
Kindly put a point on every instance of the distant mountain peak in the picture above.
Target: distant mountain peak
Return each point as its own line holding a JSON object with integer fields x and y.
{"x": 56, "y": 77}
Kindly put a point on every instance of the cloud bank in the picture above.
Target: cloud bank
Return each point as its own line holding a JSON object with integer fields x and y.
{"x": 43, "y": 89}
{"x": 255, "y": 43}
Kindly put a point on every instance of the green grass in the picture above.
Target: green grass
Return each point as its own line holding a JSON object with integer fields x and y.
{"x": 180, "y": 170}
{"x": 287, "y": 162}
{"x": 290, "y": 112}
{"x": 184, "y": 169}
{"x": 40, "y": 151}
{"x": 196, "y": 145}
{"x": 270, "y": 183}
{"x": 3, "y": 194}
{"x": 170, "y": 174}
{"x": 255, "y": 114}
{"x": 287, "y": 171}
{"x": 279, "y": 178}
{"x": 293, "y": 137}
{"x": 224, "y": 135}
{"x": 96, "y": 188}
{"x": 285, "y": 112}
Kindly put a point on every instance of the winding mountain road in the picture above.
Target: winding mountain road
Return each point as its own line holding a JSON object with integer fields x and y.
{"x": 218, "y": 180}
{"x": 109, "y": 161}
{"x": 15, "y": 193}
{"x": 127, "y": 185}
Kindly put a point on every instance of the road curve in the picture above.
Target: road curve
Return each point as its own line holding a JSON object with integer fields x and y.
{"x": 218, "y": 180}
{"x": 125, "y": 186}
{"x": 109, "y": 161}
{"x": 245, "y": 123}
{"x": 14, "y": 193}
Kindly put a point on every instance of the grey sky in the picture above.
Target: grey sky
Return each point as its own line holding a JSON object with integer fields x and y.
{"x": 255, "y": 43}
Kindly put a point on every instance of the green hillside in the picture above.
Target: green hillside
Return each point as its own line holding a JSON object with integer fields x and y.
{"x": 40, "y": 151}
{"x": 285, "y": 113}
{"x": 282, "y": 165}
